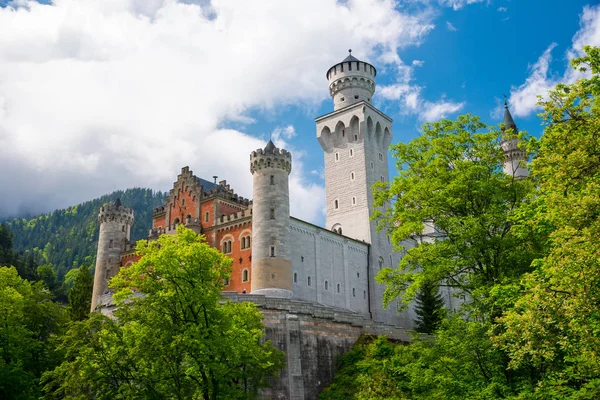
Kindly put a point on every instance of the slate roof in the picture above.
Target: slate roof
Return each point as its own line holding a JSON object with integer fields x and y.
{"x": 509, "y": 122}
{"x": 270, "y": 148}
{"x": 207, "y": 186}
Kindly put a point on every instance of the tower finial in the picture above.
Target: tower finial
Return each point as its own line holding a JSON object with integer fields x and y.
{"x": 350, "y": 51}
{"x": 505, "y": 100}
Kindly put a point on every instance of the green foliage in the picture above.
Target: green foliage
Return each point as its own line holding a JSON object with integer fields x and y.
{"x": 80, "y": 294}
{"x": 68, "y": 238}
{"x": 555, "y": 324}
{"x": 429, "y": 307}
{"x": 29, "y": 323}
{"x": 177, "y": 340}
{"x": 451, "y": 177}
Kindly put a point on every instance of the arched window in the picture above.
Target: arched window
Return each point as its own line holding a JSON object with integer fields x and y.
{"x": 380, "y": 262}
{"x": 295, "y": 277}
{"x": 245, "y": 275}
{"x": 176, "y": 221}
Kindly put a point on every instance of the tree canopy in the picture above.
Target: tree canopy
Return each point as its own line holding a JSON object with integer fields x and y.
{"x": 179, "y": 339}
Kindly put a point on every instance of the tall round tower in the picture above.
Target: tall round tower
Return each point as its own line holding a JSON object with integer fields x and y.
{"x": 271, "y": 253}
{"x": 115, "y": 225}
{"x": 515, "y": 158}
{"x": 351, "y": 81}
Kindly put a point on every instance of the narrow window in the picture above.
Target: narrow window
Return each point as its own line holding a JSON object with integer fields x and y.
{"x": 349, "y": 66}
{"x": 353, "y": 292}
{"x": 351, "y": 176}
{"x": 123, "y": 228}
{"x": 272, "y": 213}
{"x": 340, "y": 230}
{"x": 110, "y": 244}
{"x": 337, "y": 156}
{"x": 336, "y": 204}
{"x": 364, "y": 294}
{"x": 268, "y": 163}
{"x": 309, "y": 281}
{"x": 206, "y": 214}
{"x": 355, "y": 97}
{"x": 295, "y": 277}
{"x": 372, "y": 166}
{"x": 247, "y": 242}
{"x": 343, "y": 133}
{"x": 351, "y": 152}
{"x": 353, "y": 200}
{"x": 245, "y": 275}
{"x": 342, "y": 67}
{"x": 381, "y": 178}
{"x": 338, "y": 287}
{"x": 355, "y": 137}
{"x": 391, "y": 263}
{"x": 326, "y": 285}
{"x": 272, "y": 179}
{"x": 226, "y": 282}
{"x": 182, "y": 202}
{"x": 272, "y": 251}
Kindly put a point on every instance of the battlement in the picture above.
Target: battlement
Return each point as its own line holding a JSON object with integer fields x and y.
{"x": 270, "y": 157}
{"x": 115, "y": 212}
{"x": 351, "y": 81}
{"x": 224, "y": 219}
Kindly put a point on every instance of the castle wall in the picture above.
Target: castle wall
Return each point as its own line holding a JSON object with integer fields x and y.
{"x": 234, "y": 234}
{"x": 329, "y": 260}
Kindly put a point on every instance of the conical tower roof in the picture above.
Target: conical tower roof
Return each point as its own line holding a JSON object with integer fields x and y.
{"x": 117, "y": 203}
{"x": 270, "y": 148}
{"x": 509, "y": 122}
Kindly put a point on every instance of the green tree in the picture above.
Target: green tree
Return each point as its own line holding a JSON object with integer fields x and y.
{"x": 451, "y": 177}
{"x": 555, "y": 323}
{"x": 29, "y": 322}
{"x": 429, "y": 307}
{"x": 179, "y": 339}
{"x": 80, "y": 294}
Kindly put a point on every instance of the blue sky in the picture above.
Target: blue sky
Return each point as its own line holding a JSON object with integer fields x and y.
{"x": 103, "y": 95}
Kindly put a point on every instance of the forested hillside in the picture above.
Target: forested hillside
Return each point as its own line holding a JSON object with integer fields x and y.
{"x": 67, "y": 238}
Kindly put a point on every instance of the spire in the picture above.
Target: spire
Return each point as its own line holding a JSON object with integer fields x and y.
{"x": 117, "y": 203}
{"x": 350, "y": 57}
{"x": 509, "y": 122}
{"x": 270, "y": 149}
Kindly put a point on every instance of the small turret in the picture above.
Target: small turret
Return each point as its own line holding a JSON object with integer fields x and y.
{"x": 515, "y": 158}
{"x": 271, "y": 252}
{"x": 115, "y": 226}
{"x": 351, "y": 81}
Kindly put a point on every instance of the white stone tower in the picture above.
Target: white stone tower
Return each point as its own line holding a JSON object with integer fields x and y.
{"x": 115, "y": 226}
{"x": 355, "y": 138}
{"x": 515, "y": 158}
{"x": 271, "y": 253}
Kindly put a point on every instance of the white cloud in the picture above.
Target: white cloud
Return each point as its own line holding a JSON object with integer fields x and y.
{"x": 523, "y": 98}
{"x": 450, "y": 27}
{"x": 434, "y": 111}
{"x": 103, "y": 95}
{"x": 502, "y": 9}
{"x": 458, "y": 4}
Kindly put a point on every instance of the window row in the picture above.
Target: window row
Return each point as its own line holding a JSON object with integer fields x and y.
{"x": 326, "y": 285}
{"x": 245, "y": 277}
{"x": 336, "y": 203}
{"x": 245, "y": 243}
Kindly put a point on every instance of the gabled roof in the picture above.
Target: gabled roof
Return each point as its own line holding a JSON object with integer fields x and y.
{"x": 207, "y": 186}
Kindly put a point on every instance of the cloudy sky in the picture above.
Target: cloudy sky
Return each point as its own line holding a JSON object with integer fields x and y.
{"x": 99, "y": 95}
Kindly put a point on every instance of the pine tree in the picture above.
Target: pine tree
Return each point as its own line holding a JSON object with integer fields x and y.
{"x": 80, "y": 295}
{"x": 429, "y": 308}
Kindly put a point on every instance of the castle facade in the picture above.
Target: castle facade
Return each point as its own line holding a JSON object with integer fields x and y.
{"x": 275, "y": 254}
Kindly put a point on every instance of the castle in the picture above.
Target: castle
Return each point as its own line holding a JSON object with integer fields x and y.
{"x": 286, "y": 265}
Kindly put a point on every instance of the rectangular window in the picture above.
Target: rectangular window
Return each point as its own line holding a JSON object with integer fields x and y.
{"x": 206, "y": 215}
{"x": 337, "y": 156}
{"x": 349, "y": 66}
{"x": 351, "y": 152}
{"x": 110, "y": 244}
{"x": 272, "y": 213}
{"x": 353, "y": 201}
{"x": 272, "y": 179}
{"x": 272, "y": 251}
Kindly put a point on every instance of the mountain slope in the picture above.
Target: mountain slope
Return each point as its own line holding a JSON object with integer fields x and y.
{"x": 67, "y": 238}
